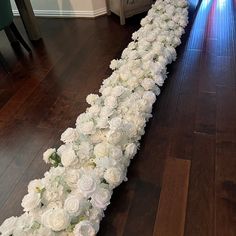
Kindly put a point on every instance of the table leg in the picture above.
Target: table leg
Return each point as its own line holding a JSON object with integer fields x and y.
{"x": 28, "y": 18}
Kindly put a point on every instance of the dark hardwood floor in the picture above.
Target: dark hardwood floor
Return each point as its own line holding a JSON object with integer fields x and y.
{"x": 187, "y": 162}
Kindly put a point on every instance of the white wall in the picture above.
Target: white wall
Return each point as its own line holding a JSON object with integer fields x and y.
{"x": 67, "y": 8}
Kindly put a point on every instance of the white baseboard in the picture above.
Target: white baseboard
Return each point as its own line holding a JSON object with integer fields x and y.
{"x": 67, "y": 13}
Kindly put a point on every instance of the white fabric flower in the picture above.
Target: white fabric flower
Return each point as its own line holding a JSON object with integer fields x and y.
{"x": 44, "y": 231}
{"x": 69, "y": 135}
{"x": 86, "y": 185}
{"x": 47, "y": 154}
{"x": 101, "y": 198}
{"x": 91, "y": 99}
{"x": 111, "y": 102}
{"x": 8, "y": 226}
{"x": 31, "y": 201}
{"x": 149, "y": 96}
{"x": 101, "y": 150}
{"x": 148, "y": 84}
{"x": 115, "y": 152}
{"x": 118, "y": 91}
{"x": 84, "y": 150}
{"x": 115, "y": 137}
{"x": 86, "y": 127}
{"x": 56, "y": 219}
{"x": 84, "y": 228}
{"x": 130, "y": 150}
{"x": 71, "y": 177}
{"x": 73, "y": 205}
{"x": 35, "y": 186}
{"x": 114, "y": 64}
{"x": 113, "y": 176}
{"x": 115, "y": 123}
{"x": 67, "y": 154}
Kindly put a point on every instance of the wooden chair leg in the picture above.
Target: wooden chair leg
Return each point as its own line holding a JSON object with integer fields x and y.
{"x": 11, "y": 37}
{"x": 19, "y": 37}
{"x": 4, "y": 63}
{"x": 122, "y": 12}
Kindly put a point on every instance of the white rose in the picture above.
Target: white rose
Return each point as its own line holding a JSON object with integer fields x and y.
{"x": 106, "y": 111}
{"x": 91, "y": 99}
{"x": 36, "y": 186}
{"x": 115, "y": 152}
{"x": 56, "y": 219}
{"x": 159, "y": 80}
{"x": 47, "y": 154}
{"x": 101, "y": 198}
{"x": 144, "y": 106}
{"x": 69, "y": 135}
{"x": 149, "y": 97}
{"x": 148, "y": 84}
{"x": 86, "y": 128}
{"x": 54, "y": 205}
{"x": 94, "y": 109}
{"x": 84, "y": 150}
{"x": 130, "y": 150}
{"x": 111, "y": 102}
{"x": 98, "y": 137}
{"x": 118, "y": 91}
{"x": 106, "y": 91}
{"x": 23, "y": 223}
{"x": 45, "y": 231}
{"x": 138, "y": 72}
{"x": 115, "y": 137}
{"x": 30, "y": 201}
{"x": 19, "y": 231}
{"x": 84, "y": 117}
{"x": 84, "y": 228}
{"x": 115, "y": 123}
{"x": 72, "y": 177}
{"x": 101, "y": 150}
{"x": 114, "y": 64}
{"x": 96, "y": 214}
{"x": 105, "y": 162}
{"x": 102, "y": 122}
{"x": 8, "y": 226}
{"x": 53, "y": 193}
{"x": 73, "y": 205}
{"x": 86, "y": 185}
{"x": 151, "y": 37}
{"x": 157, "y": 91}
{"x": 67, "y": 154}
{"x": 113, "y": 176}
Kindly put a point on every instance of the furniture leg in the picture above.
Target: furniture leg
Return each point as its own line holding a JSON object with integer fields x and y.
{"x": 11, "y": 37}
{"x": 4, "y": 63}
{"x": 122, "y": 12}
{"x": 18, "y": 36}
{"x": 28, "y": 18}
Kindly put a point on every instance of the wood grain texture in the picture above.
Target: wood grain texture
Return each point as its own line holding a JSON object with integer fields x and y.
{"x": 170, "y": 219}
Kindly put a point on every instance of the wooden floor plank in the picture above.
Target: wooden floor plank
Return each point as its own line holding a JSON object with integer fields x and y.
{"x": 170, "y": 219}
{"x": 225, "y": 169}
{"x": 200, "y": 215}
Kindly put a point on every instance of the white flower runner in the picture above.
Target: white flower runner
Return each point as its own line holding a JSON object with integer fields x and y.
{"x": 72, "y": 196}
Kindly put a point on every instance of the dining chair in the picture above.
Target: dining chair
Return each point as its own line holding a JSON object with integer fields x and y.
{"x": 7, "y": 24}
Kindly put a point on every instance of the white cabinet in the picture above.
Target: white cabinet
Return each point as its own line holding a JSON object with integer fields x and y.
{"x": 127, "y": 8}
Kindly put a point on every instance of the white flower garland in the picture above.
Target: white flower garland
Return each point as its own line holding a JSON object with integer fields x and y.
{"x": 72, "y": 196}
